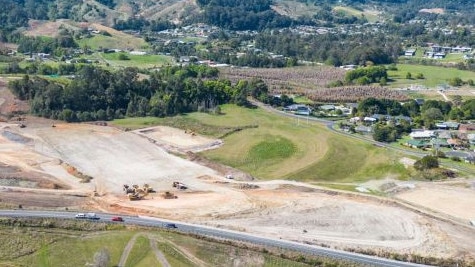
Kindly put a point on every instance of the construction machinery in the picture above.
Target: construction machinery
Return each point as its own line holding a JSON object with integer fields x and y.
{"x": 137, "y": 193}
{"x": 179, "y": 185}
{"x": 148, "y": 189}
{"x": 127, "y": 189}
{"x": 168, "y": 195}
{"x": 191, "y": 132}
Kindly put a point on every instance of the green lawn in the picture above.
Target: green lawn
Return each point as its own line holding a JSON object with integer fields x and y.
{"x": 77, "y": 251}
{"x": 284, "y": 148}
{"x": 434, "y": 75}
{"x": 302, "y": 100}
{"x": 145, "y": 61}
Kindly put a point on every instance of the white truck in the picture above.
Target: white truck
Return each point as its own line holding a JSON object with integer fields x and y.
{"x": 89, "y": 216}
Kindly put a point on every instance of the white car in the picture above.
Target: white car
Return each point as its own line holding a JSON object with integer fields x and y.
{"x": 80, "y": 216}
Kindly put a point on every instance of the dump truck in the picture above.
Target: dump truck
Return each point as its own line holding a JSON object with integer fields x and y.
{"x": 179, "y": 185}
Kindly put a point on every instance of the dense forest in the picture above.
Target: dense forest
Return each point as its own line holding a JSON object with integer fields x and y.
{"x": 242, "y": 14}
{"x": 98, "y": 94}
{"x": 333, "y": 49}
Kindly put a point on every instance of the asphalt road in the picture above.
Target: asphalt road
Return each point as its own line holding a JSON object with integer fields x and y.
{"x": 219, "y": 233}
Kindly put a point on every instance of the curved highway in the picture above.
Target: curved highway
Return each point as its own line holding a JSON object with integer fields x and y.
{"x": 219, "y": 233}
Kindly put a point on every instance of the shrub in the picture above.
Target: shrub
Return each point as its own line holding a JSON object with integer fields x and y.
{"x": 426, "y": 163}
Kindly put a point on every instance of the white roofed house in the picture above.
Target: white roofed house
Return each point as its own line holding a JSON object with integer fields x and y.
{"x": 471, "y": 138}
{"x": 422, "y": 134}
{"x": 410, "y": 53}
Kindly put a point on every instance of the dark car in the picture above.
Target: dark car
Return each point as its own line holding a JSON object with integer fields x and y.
{"x": 170, "y": 225}
{"x": 117, "y": 219}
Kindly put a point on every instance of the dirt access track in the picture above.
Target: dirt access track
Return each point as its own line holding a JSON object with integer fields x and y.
{"x": 35, "y": 171}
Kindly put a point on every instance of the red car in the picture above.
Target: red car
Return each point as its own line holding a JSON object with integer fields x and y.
{"x": 117, "y": 219}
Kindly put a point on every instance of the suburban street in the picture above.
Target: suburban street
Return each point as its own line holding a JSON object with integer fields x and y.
{"x": 218, "y": 233}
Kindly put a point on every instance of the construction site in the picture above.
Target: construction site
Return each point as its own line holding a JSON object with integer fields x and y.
{"x": 55, "y": 165}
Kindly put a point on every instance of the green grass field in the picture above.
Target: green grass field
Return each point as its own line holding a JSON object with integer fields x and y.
{"x": 50, "y": 246}
{"x": 145, "y": 61}
{"x": 434, "y": 75}
{"x": 284, "y": 148}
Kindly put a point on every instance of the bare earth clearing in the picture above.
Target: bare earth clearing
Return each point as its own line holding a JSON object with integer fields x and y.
{"x": 35, "y": 156}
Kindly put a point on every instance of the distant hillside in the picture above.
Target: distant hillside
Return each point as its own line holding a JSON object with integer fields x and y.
{"x": 230, "y": 14}
{"x": 242, "y": 14}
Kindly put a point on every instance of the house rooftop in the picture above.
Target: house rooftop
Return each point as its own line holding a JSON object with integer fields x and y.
{"x": 422, "y": 134}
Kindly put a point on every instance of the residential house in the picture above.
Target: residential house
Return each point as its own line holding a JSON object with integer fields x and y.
{"x": 422, "y": 134}
{"x": 417, "y": 143}
{"x": 401, "y": 118}
{"x": 410, "y": 53}
{"x": 471, "y": 138}
{"x": 294, "y": 107}
{"x": 327, "y": 107}
{"x": 439, "y": 142}
{"x": 370, "y": 119}
{"x": 354, "y": 119}
{"x": 363, "y": 129}
{"x": 467, "y": 127}
{"x": 439, "y": 55}
{"x": 419, "y": 101}
{"x": 381, "y": 117}
{"x": 444, "y": 134}
{"x": 138, "y": 53}
{"x": 448, "y": 125}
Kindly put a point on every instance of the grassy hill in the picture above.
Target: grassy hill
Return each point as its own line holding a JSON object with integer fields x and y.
{"x": 285, "y": 148}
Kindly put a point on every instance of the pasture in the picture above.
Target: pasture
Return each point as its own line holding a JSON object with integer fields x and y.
{"x": 433, "y": 75}
{"x": 139, "y": 61}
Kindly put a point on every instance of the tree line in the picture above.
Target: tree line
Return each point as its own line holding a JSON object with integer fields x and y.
{"x": 98, "y": 94}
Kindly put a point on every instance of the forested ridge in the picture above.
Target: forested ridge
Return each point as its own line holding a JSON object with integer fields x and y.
{"x": 98, "y": 94}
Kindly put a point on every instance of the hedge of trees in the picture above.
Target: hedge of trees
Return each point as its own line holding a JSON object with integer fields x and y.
{"x": 367, "y": 75}
{"x": 98, "y": 94}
